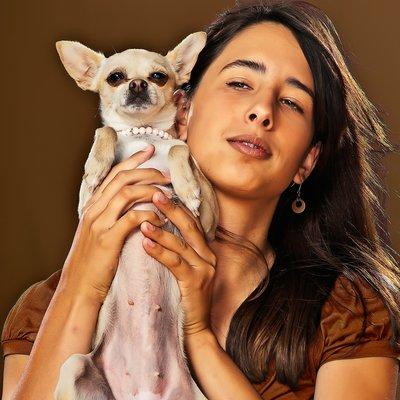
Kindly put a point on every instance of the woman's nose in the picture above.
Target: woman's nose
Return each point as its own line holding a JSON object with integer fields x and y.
{"x": 261, "y": 113}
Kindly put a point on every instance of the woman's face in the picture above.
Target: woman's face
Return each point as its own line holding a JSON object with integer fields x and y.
{"x": 270, "y": 104}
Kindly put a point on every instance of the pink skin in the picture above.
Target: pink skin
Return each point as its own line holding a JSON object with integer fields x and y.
{"x": 247, "y": 189}
{"x": 143, "y": 339}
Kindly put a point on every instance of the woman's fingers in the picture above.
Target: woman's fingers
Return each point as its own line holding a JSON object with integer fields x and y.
{"x": 190, "y": 215}
{"x": 96, "y": 249}
{"x": 173, "y": 251}
{"x": 187, "y": 225}
{"x": 129, "y": 221}
{"x": 121, "y": 179}
{"x": 123, "y": 200}
{"x": 131, "y": 162}
{"x": 192, "y": 264}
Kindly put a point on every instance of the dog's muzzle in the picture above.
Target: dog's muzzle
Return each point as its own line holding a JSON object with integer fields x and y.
{"x": 137, "y": 93}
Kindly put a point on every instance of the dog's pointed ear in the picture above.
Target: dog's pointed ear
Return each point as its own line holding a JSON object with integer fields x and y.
{"x": 81, "y": 63}
{"x": 184, "y": 55}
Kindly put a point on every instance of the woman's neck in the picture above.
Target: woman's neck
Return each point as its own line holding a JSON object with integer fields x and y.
{"x": 250, "y": 219}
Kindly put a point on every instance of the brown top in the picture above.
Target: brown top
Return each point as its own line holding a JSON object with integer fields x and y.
{"x": 339, "y": 329}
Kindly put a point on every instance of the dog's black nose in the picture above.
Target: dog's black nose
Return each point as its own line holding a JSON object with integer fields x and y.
{"x": 137, "y": 85}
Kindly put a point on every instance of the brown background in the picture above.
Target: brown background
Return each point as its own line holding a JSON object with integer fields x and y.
{"x": 48, "y": 122}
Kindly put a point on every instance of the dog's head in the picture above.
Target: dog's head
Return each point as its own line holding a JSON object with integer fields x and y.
{"x": 135, "y": 85}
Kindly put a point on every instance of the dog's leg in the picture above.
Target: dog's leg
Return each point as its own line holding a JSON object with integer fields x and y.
{"x": 209, "y": 209}
{"x": 81, "y": 380}
{"x": 98, "y": 164}
{"x": 184, "y": 182}
{"x": 193, "y": 188}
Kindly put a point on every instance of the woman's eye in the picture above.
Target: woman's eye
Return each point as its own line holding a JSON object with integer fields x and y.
{"x": 115, "y": 78}
{"x": 293, "y": 105}
{"x": 241, "y": 85}
{"x": 237, "y": 84}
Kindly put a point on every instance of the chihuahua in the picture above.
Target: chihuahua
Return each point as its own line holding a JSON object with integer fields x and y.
{"x": 137, "y": 350}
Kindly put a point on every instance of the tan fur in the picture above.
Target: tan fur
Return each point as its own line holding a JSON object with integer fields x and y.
{"x": 84, "y": 376}
{"x": 209, "y": 209}
{"x": 98, "y": 164}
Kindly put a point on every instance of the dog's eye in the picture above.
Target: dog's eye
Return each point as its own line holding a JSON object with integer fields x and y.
{"x": 159, "y": 78}
{"x": 158, "y": 75}
{"x": 115, "y": 78}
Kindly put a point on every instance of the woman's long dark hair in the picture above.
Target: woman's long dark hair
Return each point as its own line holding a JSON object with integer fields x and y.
{"x": 342, "y": 228}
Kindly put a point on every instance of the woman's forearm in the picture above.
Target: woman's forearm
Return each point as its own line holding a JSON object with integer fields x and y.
{"x": 217, "y": 375}
{"x": 67, "y": 328}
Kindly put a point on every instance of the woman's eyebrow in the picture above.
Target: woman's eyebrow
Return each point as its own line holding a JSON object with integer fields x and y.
{"x": 259, "y": 67}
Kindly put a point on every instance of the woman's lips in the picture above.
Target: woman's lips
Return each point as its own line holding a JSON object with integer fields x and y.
{"x": 246, "y": 149}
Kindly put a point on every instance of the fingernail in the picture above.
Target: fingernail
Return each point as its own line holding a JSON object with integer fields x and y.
{"x": 161, "y": 198}
{"x": 150, "y": 226}
{"x": 150, "y": 242}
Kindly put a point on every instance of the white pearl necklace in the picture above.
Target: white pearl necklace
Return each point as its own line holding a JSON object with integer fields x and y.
{"x": 148, "y": 130}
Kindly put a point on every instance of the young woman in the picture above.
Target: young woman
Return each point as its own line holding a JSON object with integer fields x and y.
{"x": 298, "y": 295}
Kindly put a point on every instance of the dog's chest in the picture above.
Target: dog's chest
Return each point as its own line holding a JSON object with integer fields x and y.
{"x": 129, "y": 144}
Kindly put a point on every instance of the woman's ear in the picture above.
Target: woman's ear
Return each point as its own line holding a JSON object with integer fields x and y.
{"x": 308, "y": 164}
{"x": 181, "y": 119}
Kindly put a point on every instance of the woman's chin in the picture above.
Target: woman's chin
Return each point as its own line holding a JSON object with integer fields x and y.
{"x": 237, "y": 185}
{"x": 231, "y": 174}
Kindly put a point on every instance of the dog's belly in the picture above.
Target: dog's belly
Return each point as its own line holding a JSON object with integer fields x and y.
{"x": 142, "y": 352}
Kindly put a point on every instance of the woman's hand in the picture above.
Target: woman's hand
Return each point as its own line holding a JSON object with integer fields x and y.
{"x": 189, "y": 259}
{"x": 93, "y": 258}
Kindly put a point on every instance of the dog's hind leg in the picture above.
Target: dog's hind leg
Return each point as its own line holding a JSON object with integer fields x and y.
{"x": 80, "y": 379}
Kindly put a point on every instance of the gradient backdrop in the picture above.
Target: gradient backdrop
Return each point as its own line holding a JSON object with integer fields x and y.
{"x": 48, "y": 122}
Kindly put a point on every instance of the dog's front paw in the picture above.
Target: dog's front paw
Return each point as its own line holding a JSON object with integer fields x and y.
{"x": 193, "y": 200}
{"x": 183, "y": 181}
{"x": 190, "y": 196}
{"x": 95, "y": 172}
{"x": 85, "y": 193}
{"x": 88, "y": 186}
{"x": 92, "y": 181}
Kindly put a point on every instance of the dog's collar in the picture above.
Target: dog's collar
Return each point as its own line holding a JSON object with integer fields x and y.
{"x": 144, "y": 130}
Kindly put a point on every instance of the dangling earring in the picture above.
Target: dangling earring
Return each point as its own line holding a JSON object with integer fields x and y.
{"x": 298, "y": 205}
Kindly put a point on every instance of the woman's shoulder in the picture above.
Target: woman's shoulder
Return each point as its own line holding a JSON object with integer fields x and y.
{"x": 351, "y": 307}
{"x": 23, "y": 320}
